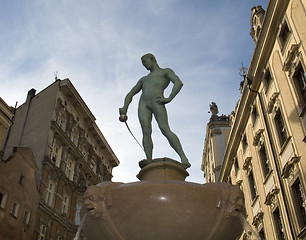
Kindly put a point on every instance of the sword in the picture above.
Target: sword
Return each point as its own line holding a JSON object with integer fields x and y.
{"x": 123, "y": 118}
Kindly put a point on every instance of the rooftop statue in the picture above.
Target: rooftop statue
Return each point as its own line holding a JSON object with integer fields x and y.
{"x": 152, "y": 102}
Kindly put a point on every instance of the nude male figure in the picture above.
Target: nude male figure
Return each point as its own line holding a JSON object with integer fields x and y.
{"x": 152, "y": 102}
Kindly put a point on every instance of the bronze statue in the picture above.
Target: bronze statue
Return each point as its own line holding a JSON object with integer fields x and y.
{"x": 152, "y": 102}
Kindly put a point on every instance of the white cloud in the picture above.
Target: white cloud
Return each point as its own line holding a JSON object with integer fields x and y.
{"x": 98, "y": 45}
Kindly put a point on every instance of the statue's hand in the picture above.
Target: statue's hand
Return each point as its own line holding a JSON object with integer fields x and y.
{"x": 163, "y": 100}
{"x": 122, "y": 110}
{"x": 123, "y": 117}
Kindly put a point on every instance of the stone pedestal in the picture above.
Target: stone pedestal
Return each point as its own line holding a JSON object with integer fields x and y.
{"x": 162, "y": 206}
{"x": 163, "y": 169}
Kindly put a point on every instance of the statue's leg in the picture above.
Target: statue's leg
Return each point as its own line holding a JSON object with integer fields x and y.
{"x": 160, "y": 114}
{"x": 145, "y": 119}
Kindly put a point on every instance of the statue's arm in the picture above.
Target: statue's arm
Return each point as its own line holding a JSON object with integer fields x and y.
{"x": 128, "y": 98}
{"x": 177, "y": 84}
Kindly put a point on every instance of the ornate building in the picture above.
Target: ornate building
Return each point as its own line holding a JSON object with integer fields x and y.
{"x": 70, "y": 151}
{"x": 217, "y": 132}
{"x": 266, "y": 151}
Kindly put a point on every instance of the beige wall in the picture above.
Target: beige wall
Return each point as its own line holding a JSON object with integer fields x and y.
{"x": 276, "y": 189}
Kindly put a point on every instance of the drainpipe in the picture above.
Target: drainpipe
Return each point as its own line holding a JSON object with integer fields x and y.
{"x": 30, "y": 95}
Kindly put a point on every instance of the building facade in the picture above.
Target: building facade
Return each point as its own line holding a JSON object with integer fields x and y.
{"x": 217, "y": 132}
{"x": 6, "y": 116}
{"x": 19, "y": 196}
{"x": 70, "y": 151}
{"x": 266, "y": 152}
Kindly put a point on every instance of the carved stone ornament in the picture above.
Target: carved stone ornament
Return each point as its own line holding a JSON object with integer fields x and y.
{"x": 272, "y": 101}
{"x": 258, "y": 136}
{"x": 258, "y": 219}
{"x": 291, "y": 57}
{"x": 276, "y": 108}
{"x": 162, "y": 207}
{"x": 247, "y": 165}
{"x": 215, "y": 131}
{"x": 271, "y": 196}
{"x": 288, "y": 169}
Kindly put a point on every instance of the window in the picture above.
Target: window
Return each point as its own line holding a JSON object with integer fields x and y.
{"x": 280, "y": 127}
{"x": 284, "y": 34}
{"x": 65, "y": 204}
{"x": 21, "y": 180}
{"x": 84, "y": 152}
{"x": 267, "y": 79}
{"x": 254, "y": 115}
{"x": 3, "y": 197}
{"x": 42, "y": 232}
{"x": 252, "y": 186}
{"x": 50, "y": 190}
{"x": 78, "y": 214}
{"x": 261, "y": 234}
{"x": 300, "y": 83}
{"x": 244, "y": 142}
{"x": 300, "y": 202}
{"x": 56, "y": 152}
{"x": 278, "y": 224}
{"x": 93, "y": 165}
{"x": 69, "y": 171}
{"x": 61, "y": 121}
{"x": 265, "y": 165}
{"x": 27, "y": 216}
{"x": 236, "y": 166}
{"x": 15, "y": 209}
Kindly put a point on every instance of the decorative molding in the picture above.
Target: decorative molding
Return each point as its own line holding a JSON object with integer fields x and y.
{"x": 215, "y": 131}
{"x": 258, "y": 219}
{"x": 271, "y": 196}
{"x": 276, "y": 108}
{"x": 258, "y": 137}
{"x": 288, "y": 169}
{"x": 291, "y": 57}
{"x": 247, "y": 165}
{"x": 239, "y": 183}
{"x": 272, "y": 101}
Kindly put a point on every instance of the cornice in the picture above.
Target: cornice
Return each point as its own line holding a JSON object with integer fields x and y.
{"x": 273, "y": 17}
{"x": 262, "y": 52}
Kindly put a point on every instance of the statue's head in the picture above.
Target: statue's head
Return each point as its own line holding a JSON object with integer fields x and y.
{"x": 148, "y": 61}
{"x": 93, "y": 201}
{"x": 150, "y": 56}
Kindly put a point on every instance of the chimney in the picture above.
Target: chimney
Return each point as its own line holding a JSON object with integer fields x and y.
{"x": 31, "y": 94}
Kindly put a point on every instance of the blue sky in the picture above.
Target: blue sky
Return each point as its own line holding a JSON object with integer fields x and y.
{"x": 97, "y": 44}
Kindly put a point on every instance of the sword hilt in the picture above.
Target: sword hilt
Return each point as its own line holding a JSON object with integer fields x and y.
{"x": 123, "y": 118}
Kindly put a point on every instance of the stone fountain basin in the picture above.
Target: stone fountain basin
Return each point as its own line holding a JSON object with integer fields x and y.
{"x": 162, "y": 210}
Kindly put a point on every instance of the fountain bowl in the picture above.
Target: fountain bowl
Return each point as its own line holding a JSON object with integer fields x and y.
{"x": 162, "y": 206}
